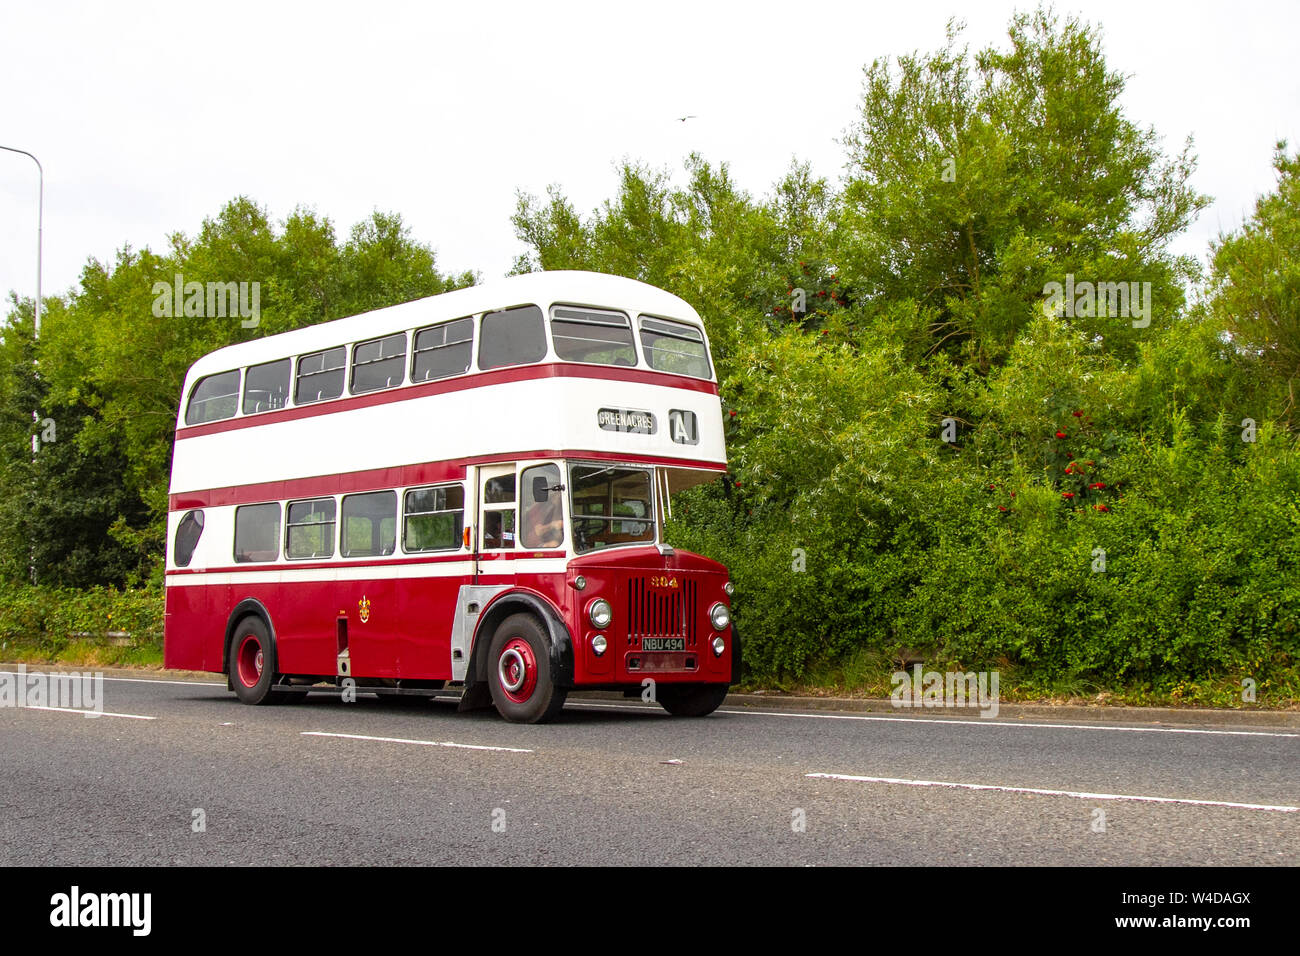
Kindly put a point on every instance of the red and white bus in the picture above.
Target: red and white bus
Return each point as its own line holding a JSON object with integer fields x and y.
{"x": 467, "y": 489}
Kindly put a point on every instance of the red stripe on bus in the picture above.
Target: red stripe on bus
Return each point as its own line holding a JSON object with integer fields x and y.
{"x": 443, "y": 386}
{"x": 405, "y": 476}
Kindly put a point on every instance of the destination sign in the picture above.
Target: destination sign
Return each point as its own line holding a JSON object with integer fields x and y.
{"x": 626, "y": 420}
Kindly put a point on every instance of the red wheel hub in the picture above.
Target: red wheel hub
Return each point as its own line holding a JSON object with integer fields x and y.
{"x": 249, "y": 661}
{"x": 517, "y": 670}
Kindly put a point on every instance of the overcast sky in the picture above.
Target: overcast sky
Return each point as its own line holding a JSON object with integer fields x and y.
{"x": 150, "y": 116}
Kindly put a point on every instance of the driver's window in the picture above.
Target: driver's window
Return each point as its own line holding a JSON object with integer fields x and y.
{"x": 541, "y": 508}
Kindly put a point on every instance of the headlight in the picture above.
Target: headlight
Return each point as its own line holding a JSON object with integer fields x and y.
{"x": 719, "y": 645}
{"x": 600, "y": 613}
{"x": 579, "y": 583}
{"x": 720, "y": 615}
{"x": 729, "y": 589}
{"x": 599, "y": 644}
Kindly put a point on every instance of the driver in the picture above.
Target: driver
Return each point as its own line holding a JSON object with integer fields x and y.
{"x": 545, "y": 523}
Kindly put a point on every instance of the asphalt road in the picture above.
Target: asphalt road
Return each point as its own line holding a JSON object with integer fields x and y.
{"x": 373, "y": 782}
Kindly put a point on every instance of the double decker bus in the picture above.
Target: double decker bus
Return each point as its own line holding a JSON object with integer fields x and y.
{"x": 468, "y": 489}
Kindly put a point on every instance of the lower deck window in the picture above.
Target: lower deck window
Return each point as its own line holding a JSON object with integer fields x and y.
{"x": 434, "y": 518}
{"x": 257, "y": 532}
{"x": 310, "y": 529}
{"x": 369, "y": 524}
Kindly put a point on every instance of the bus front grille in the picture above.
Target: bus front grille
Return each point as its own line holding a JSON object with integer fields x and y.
{"x": 663, "y": 612}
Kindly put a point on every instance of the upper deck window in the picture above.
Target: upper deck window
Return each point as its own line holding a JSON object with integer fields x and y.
{"x": 442, "y": 350}
{"x": 213, "y": 398}
{"x": 512, "y": 337}
{"x": 674, "y": 347}
{"x": 380, "y": 363}
{"x": 591, "y": 335}
{"x": 320, "y": 376}
{"x": 266, "y": 387}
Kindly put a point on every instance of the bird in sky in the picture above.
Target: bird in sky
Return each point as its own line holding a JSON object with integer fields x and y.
{"x": 683, "y": 119}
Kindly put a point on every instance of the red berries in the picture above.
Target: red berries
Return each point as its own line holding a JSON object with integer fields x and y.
{"x": 1061, "y": 435}
{"x": 1067, "y": 494}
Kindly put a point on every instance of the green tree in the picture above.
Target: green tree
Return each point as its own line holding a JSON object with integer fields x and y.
{"x": 1256, "y": 282}
{"x": 969, "y": 190}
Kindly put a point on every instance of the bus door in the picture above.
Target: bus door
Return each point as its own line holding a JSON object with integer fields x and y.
{"x": 497, "y": 525}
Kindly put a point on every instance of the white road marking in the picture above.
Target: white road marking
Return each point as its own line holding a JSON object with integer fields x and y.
{"x": 949, "y": 720}
{"x": 129, "y": 680}
{"x": 85, "y": 713}
{"x": 1054, "y": 793}
{"x": 1019, "y": 723}
{"x": 422, "y": 743}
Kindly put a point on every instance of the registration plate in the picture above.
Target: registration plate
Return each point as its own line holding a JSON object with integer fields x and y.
{"x": 663, "y": 644}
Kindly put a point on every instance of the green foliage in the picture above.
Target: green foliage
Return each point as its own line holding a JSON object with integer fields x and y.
{"x": 967, "y": 191}
{"x": 50, "y": 619}
{"x": 1256, "y": 281}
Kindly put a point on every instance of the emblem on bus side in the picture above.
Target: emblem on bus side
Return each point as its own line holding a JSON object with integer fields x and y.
{"x": 363, "y": 606}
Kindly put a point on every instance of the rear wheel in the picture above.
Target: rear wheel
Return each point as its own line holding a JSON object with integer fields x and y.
{"x": 251, "y": 663}
{"x": 519, "y": 672}
{"x": 691, "y": 700}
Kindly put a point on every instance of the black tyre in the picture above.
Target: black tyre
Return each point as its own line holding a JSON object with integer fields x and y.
{"x": 691, "y": 700}
{"x": 519, "y": 672}
{"x": 251, "y": 663}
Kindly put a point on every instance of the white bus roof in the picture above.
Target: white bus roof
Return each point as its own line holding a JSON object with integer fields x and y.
{"x": 544, "y": 289}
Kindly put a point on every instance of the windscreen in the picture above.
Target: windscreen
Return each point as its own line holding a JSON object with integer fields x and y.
{"x": 612, "y": 505}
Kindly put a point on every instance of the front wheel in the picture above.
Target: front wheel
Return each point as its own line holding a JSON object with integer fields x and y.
{"x": 691, "y": 700}
{"x": 519, "y": 665}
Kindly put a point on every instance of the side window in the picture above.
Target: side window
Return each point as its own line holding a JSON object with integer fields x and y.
{"x": 266, "y": 386}
{"x": 188, "y": 533}
{"x": 499, "y": 513}
{"x": 213, "y": 398}
{"x": 674, "y": 347}
{"x": 442, "y": 350}
{"x": 320, "y": 376}
{"x": 434, "y": 518}
{"x": 588, "y": 335}
{"x": 310, "y": 527}
{"x": 377, "y": 364}
{"x": 512, "y": 337}
{"x": 369, "y": 524}
{"x": 543, "y": 520}
{"x": 257, "y": 532}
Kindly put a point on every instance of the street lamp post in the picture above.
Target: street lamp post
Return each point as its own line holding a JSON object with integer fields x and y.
{"x": 40, "y": 227}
